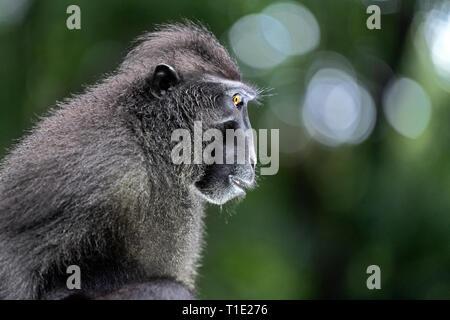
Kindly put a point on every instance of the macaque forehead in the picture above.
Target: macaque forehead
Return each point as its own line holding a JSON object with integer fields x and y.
{"x": 188, "y": 63}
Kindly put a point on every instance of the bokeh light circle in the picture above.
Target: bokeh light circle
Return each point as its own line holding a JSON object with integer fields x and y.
{"x": 300, "y": 23}
{"x": 437, "y": 35}
{"x": 264, "y": 40}
{"x": 259, "y": 41}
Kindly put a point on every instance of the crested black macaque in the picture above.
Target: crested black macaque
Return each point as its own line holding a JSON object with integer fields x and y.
{"x": 93, "y": 184}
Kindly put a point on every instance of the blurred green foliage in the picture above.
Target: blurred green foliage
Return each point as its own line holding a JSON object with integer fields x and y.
{"x": 311, "y": 230}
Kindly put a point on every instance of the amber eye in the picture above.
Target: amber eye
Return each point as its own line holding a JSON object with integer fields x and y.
{"x": 237, "y": 100}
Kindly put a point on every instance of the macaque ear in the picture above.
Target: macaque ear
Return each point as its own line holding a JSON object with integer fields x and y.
{"x": 163, "y": 79}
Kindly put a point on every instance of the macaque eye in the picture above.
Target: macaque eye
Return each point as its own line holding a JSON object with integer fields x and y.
{"x": 237, "y": 100}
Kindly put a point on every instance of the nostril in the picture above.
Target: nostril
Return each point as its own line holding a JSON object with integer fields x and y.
{"x": 253, "y": 166}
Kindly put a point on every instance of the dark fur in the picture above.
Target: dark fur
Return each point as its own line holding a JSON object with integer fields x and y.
{"x": 93, "y": 184}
